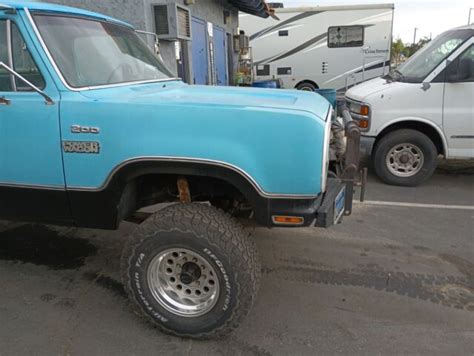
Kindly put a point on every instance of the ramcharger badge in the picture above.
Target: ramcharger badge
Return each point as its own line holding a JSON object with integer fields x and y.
{"x": 81, "y": 147}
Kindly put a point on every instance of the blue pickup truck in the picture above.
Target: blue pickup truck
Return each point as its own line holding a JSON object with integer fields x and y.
{"x": 93, "y": 129}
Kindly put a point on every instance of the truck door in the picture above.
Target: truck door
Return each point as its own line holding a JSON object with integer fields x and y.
{"x": 458, "y": 112}
{"x": 31, "y": 170}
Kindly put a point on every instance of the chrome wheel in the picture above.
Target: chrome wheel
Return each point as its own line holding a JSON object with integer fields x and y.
{"x": 405, "y": 160}
{"x": 183, "y": 282}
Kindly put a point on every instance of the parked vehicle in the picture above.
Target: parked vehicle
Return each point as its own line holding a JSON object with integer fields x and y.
{"x": 92, "y": 129}
{"x": 423, "y": 109}
{"x": 330, "y": 47}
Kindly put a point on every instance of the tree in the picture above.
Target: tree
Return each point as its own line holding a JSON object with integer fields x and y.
{"x": 398, "y": 49}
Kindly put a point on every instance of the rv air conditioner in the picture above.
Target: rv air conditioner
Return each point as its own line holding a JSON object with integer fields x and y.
{"x": 172, "y": 22}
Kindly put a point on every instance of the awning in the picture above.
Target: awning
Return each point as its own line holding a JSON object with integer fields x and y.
{"x": 253, "y": 7}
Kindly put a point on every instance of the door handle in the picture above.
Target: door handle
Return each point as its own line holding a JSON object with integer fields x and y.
{"x": 4, "y": 101}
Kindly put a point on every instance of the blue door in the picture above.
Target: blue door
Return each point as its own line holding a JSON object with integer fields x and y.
{"x": 31, "y": 170}
{"x": 199, "y": 50}
{"x": 220, "y": 55}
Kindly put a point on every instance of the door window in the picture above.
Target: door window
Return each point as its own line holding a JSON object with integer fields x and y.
{"x": 23, "y": 63}
{"x": 5, "y": 80}
{"x": 462, "y": 68}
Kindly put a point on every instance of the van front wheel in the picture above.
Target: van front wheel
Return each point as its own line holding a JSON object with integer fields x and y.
{"x": 405, "y": 157}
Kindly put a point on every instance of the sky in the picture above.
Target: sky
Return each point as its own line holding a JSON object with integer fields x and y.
{"x": 431, "y": 17}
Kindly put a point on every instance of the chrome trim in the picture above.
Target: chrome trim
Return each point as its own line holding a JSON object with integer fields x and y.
{"x": 46, "y": 97}
{"x": 192, "y": 160}
{"x": 10, "y": 53}
{"x": 326, "y": 143}
{"x": 32, "y": 186}
{"x": 8, "y": 8}
{"x": 63, "y": 80}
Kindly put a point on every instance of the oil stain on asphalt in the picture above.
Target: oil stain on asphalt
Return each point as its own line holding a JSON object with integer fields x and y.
{"x": 41, "y": 245}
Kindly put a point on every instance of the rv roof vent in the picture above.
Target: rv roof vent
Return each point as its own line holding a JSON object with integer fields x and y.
{"x": 276, "y": 5}
{"x": 172, "y": 22}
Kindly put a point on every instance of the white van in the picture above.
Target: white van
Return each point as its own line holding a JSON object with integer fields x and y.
{"x": 422, "y": 109}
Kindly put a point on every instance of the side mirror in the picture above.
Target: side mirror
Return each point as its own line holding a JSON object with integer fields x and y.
{"x": 47, "y": 99}
{"x": 425, "y": 86}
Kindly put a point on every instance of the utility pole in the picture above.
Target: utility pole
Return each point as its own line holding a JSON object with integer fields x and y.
{"x": 414, "y": 36}
{"x": 469, "y": 18}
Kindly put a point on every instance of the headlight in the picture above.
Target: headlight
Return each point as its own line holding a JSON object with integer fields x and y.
{"x": 360, "y": 112}
{"x": 326, "y": 153}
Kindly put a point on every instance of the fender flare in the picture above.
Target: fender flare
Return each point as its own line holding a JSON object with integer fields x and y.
{"x": 423, "y": 121}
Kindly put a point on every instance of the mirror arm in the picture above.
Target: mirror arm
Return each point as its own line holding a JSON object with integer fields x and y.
{"x": 47, "y": 98}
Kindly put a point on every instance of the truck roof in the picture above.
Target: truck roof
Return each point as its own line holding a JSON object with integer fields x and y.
{"x": 47, "y": 7}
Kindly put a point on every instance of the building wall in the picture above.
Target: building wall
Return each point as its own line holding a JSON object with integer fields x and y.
{"x": 139, "y": 13}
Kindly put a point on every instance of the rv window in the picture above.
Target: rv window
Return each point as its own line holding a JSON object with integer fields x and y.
{"x": 263, "y": 69}
{"x": 283, "y": 33}
{"x": 345, "y": 36}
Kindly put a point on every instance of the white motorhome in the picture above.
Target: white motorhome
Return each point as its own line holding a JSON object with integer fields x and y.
{"x": 322, "y": 47}
{"x": 422, "y": 109}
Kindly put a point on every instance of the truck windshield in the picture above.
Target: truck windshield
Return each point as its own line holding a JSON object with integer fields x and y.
{"x": 93, "y": 53}
{"x": 423, "y": 62}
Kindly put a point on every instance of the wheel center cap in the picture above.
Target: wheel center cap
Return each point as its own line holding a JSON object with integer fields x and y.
{"x": 190, "y": 273}
{"x": 404, "y": 158}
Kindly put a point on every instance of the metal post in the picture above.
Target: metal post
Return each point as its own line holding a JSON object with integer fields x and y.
{"x": 469, "y": 17}
{"x": 414, "y": 37}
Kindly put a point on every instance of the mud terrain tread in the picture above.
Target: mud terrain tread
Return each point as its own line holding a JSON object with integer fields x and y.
{"x": 218, "y": 229}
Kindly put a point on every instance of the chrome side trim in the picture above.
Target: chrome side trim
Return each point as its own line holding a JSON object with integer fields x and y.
{"x": 326, "y": 143}
{"x": 63, "y": 80}
{"x": 32, "y": 186}
{"x": 236, "y": 169}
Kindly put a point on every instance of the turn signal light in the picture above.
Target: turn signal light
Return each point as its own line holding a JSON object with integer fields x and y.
{"x": 363, "y": 124}
{"x": 364, "y": 110}
{"x": 288, "y": 220}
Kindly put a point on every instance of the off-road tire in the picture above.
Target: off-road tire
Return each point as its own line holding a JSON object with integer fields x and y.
{"x": 388, "y": 142}
{"x": 196, "y": 227}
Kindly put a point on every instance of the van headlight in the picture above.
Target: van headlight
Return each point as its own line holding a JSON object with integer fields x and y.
{"x": 326, "y": 152}
{"x": 360, "y": 112}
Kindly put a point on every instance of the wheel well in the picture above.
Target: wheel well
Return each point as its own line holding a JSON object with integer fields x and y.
{"x": 426, "y": 129}
{"x": 307, "y": 81}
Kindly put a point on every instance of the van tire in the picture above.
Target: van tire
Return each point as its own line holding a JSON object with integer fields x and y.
{"x": 217, "y": 245}
{"x": 306, "y": 86}
{"x": 405, "y": 157}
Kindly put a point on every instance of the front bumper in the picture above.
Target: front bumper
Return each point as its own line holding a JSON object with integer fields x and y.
{"x": 330, "y": 212}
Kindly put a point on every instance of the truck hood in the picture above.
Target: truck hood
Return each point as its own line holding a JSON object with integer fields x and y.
{"x": 196, "y": 95}
{"x": 362, "y": 91}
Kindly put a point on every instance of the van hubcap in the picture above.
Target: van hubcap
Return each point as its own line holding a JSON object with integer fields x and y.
{"x": 183, "y": 282}
{"x": 405, "y": 160}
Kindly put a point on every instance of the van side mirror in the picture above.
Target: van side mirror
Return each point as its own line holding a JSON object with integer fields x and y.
{"x": 425, "y": 86}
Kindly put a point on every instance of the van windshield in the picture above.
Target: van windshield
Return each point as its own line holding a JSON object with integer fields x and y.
{"x": 423, "y": 62}
{"x": 93, "y": 53}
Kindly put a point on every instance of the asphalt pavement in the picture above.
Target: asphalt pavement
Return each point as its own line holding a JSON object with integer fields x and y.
{"x": 397, "y": 277}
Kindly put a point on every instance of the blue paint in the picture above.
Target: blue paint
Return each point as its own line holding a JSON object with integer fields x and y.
{"x": 200, "y": 52}
{"x": 220, "y": 55}
{"x": 276, "y": 136}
